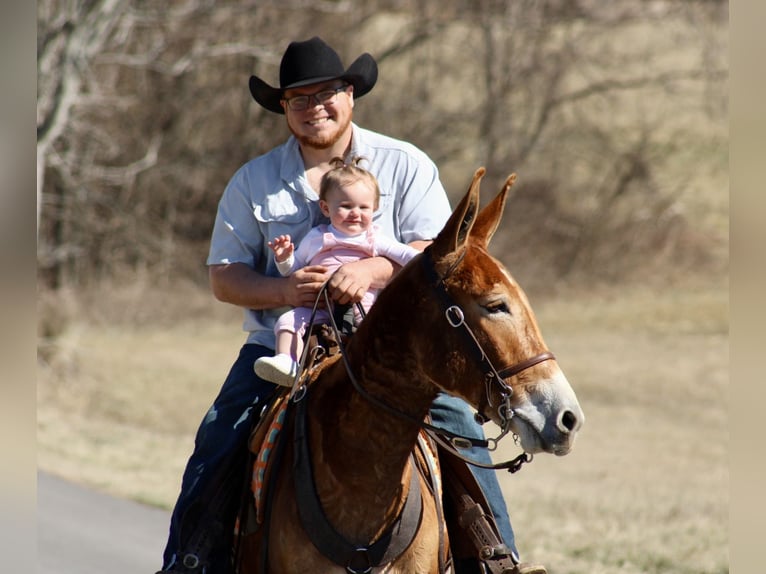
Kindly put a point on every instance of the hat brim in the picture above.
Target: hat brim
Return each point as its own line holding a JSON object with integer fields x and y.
{"x": 362, "y": 74}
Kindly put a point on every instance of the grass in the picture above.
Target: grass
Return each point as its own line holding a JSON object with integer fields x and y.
{"x": 644, "y": 491}
{"x": 646, "y": 487}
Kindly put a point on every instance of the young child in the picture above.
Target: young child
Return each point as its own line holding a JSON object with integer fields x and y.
{"x": 348, "y": 196}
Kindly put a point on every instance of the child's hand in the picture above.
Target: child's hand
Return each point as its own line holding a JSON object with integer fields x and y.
{"x": 282, "y": 247}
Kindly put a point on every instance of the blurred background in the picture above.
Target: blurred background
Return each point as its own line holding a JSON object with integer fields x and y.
{"x": 613, "y": 115}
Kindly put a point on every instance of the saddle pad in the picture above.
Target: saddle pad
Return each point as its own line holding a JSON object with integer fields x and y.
{"x": 263, "y": 458}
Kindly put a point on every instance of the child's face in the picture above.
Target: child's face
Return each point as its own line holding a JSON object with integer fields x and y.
{"x": 350, "y": 208}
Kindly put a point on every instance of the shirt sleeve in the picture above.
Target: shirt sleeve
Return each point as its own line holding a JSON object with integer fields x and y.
{"x": 413, "y": 203}
{"x": 394, "y": 250}
{"x": 286, "y": 267}
{"x": 236, "y": 237}
{"x": 424, "y": 206}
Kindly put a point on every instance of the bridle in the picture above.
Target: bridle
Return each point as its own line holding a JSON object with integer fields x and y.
{"x": 492, "y": 376}
{"x": 456, "y": 319}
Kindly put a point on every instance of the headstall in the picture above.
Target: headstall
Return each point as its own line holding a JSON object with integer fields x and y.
{"x": 455, "y": 318}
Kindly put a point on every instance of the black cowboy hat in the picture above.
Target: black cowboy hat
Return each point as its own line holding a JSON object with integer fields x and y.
{"x": 311, "y": 62}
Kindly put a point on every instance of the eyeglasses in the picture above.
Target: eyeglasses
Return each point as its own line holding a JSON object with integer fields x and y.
{"x": 302, "y": 103}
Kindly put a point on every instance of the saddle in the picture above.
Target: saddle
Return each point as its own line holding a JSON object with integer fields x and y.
{"x": 462, "y": 507}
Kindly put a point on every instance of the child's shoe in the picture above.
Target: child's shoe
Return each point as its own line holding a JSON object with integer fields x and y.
{"x": 279, "y": 369}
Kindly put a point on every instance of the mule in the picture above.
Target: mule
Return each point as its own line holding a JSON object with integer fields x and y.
{"x": 453, "y": 320}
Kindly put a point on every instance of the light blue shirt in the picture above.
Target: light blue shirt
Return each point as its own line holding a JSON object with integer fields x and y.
{"x": 270, "y": 196}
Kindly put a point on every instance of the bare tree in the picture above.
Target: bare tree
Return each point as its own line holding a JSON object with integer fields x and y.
{"x": 144, "y": 113}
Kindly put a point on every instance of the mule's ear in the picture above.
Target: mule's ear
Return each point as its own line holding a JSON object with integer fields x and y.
{"x": 458, "y": 226}
{"x": 489, "y": 218}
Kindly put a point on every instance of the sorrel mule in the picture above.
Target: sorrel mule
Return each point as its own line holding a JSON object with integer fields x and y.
{"x": 453, "y": 321}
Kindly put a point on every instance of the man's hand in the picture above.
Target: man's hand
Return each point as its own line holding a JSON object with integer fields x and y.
{"x": 352, "y": 280}
{"x": 304, "y": 285}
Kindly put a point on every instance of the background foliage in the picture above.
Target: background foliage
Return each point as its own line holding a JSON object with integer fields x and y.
{"x": 613, "y": 114}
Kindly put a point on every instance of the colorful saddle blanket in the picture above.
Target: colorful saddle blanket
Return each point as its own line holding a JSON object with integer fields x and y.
{"x": 262, "y": 444}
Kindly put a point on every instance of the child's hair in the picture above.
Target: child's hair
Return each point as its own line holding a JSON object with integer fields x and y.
{"x": 343, "y": 174}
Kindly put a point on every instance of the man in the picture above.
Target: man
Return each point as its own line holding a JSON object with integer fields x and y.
{"x": 273, "y": 195}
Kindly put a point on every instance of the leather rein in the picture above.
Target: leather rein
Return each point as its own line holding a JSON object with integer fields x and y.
{"x": 492, "y": 376}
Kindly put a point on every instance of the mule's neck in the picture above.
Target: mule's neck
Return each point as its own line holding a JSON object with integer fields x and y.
{"x": 360, "y": 451}
{"x": 364, "y": 431}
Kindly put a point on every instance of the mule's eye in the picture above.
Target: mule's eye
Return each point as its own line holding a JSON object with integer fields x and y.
{"x": 497, "y": 307}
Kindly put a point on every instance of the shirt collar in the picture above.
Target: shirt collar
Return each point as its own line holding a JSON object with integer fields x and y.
{"x": 293, "y": 171}
{"x": 357, "y": 142}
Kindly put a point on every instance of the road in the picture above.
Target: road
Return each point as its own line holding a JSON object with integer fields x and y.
{"x": 85, "y": 532}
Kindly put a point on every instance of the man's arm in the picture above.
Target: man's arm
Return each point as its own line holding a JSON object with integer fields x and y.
{"x": 352, "y": 280}
{"x": 421, "y": 244}
{"x": 238, "y": 284}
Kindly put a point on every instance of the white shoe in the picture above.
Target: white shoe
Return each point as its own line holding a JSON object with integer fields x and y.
{"x": 279, "y": 369}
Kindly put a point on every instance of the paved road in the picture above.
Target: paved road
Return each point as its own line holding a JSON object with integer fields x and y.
{"x": 85, "y": 532}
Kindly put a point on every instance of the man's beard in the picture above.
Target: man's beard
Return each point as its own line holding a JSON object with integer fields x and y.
{"x": 322, "y": 142}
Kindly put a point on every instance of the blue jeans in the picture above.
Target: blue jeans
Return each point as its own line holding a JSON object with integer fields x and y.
{"x": 454, "y": 414}
{"x": 224, "y": 431}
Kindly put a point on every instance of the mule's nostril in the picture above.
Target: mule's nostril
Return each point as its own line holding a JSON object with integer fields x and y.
{"x": 568, "y": 421}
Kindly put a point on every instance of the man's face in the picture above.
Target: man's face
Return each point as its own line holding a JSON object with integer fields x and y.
{"x": 320, "y": 125}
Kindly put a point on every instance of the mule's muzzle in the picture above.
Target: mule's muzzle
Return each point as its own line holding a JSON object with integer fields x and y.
{"x": 568, "y": 422}
{"x": 549, "y": 418}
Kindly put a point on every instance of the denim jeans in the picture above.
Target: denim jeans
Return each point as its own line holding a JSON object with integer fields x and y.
{"x": 224, "y": 431}
{"x": 454, "y": 414}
